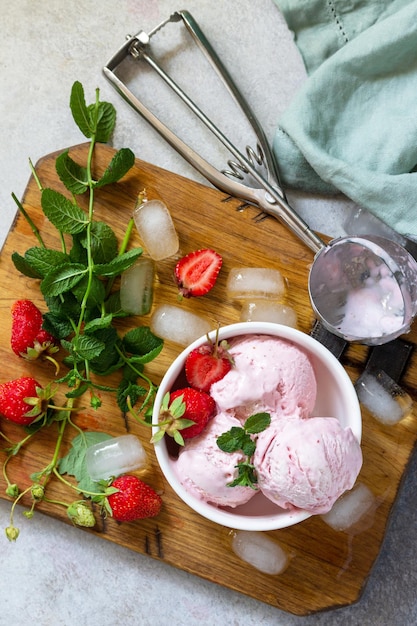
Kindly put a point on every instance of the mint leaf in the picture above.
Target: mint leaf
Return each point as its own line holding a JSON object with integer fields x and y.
{"x": 246, "y": 476}
{"x": 120, "y": 164}
{"x": 142, "y": 342}
{"x": 104, "y": 115}
{"x": 128, "y": 389}
{"x": 74, "y": 176}
{"x": 62, "y": 278}
{"x": 22, "y": 266}
{"x": 66, "y": 216}
{"x": 87, "y": 347}
{"x": 93, "y": 287}
{"x": 79, "y": 110}
{"x": 232, "y": 440}
{"x": 118, "y": 264}
{"x": 98, "y": 323}
{"x": 103, "y": 242}
{"x": 239, "y": 438}
{"x": 110, "y": 359}
{"x": 74, "y": 462}
{"x": 257, "y": 423}
{"x": 42, "y": 259}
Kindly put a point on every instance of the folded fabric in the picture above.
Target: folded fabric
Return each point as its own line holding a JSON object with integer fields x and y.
{"x": 352, "y": 127}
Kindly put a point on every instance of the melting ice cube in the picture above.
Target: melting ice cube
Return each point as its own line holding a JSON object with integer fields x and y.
{"x": 350, "y": 508}
{"x": 156, "y": 228}
{"x": 383, "y": 397}
{"x": 178, "y": 325}
{"x": 114, "y": 457}
{"x": 136, "y": 287}
{"x": 260, "y": 551}
{"x": 268, "y": 311}
{"x": 254, "y": 282}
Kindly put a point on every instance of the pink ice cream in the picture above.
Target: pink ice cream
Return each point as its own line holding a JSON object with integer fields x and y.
{"x": 307, "y": 464}
{"x": 269, "y": 374}
{"x": 204, "y": 470}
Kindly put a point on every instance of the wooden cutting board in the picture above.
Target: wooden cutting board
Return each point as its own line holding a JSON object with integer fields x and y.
{"x": 328, "y": 569}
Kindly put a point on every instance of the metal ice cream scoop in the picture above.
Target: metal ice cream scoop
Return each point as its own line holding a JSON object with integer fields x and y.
{"x": 364, "y": 288}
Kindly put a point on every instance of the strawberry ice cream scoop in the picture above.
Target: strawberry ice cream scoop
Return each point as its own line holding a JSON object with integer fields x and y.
{"x": 205, "y": 471}
{"x": 268, "y": 374}
{"x": 307, "y": 464}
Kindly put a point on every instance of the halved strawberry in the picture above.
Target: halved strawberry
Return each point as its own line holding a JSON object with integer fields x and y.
{"x": 197, "y": 272}
{"x": 207, "y": 364}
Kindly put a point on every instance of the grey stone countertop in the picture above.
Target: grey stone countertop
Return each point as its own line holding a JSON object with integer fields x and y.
{"x": 55, "y": 573}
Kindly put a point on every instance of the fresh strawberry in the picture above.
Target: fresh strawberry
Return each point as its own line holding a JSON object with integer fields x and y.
{"x": 133, "y": 500}
{"x": 207, "y": 364}
{"x": 21, "y": 400}
{"x": 197, "y": 272}
{"x": 199, "y": 408}
{"x": 28, "y": 339}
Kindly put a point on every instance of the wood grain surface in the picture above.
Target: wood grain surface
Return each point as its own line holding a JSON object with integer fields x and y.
{"x": 328, "y": 569}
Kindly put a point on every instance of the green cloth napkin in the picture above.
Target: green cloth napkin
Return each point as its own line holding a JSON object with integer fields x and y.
{"x": 352, "y": 127}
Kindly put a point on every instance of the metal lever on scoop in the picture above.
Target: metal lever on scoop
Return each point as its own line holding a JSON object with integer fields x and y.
{"x": 270, "y": 198}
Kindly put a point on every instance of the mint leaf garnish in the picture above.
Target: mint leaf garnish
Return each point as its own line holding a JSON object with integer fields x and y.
{"x": 239, "y": 439}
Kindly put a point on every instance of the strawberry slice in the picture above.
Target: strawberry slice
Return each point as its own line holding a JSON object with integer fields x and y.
{"x": 207, "y": 364}
{"x": 197, "y": 272}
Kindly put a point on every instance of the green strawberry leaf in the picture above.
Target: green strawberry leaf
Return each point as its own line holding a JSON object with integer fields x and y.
{"x": 74, "y": 463}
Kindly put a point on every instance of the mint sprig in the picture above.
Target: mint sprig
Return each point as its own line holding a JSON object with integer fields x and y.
{"x": 77, "y": 281}
{"x": 239, "y": 439}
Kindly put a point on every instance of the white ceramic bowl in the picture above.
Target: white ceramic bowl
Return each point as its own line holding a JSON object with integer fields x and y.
{"x": 336, "y": 397}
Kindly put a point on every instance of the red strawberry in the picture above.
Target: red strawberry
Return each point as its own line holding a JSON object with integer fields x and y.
{"x": 197, "y": 272}
{"x": 21, "y": 400}
{"x": 207, "y": 364}
{"x": 133, "y": 500}
{"x": 199, "y": 408}
{"x": 28, "y": 339}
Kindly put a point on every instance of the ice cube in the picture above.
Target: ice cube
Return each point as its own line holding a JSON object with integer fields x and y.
{"x": 178, "y": 325}
{"x": 260, "y": 551}
{"x": 136, "y": 287}
{"x": 114, "y": 457}
{"x": 350, "y": 508}
{"x": 383, "y": 397}
{"x": 156, "y": 228}
{"x": 254, "y": 282}
{"x": 268, "y": 311}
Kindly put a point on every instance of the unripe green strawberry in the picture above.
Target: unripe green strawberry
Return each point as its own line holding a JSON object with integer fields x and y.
{"x": 133, "y": 500}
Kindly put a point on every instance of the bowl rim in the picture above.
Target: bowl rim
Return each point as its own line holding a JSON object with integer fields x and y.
{"x": 227, "y": 517}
